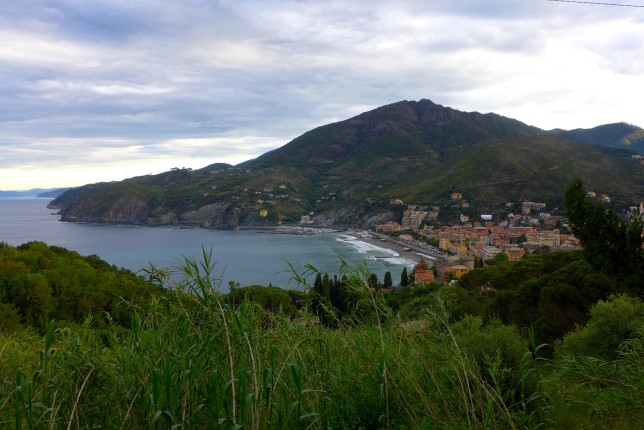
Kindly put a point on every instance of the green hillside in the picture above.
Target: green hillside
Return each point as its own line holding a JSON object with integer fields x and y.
{"x": 536, "y": 167}
{"x": 618, "y": 135}
{"x": 419, "y": 152}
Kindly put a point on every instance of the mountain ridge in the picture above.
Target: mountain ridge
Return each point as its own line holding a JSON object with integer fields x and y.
{"x": 417, "y": 151}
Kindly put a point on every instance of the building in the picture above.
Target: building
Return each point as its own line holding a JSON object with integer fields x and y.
{"x": 489, "y": 252}
{"x": 459, "y": 270}
{"x": 422, "y": 276}
{"x": 412, "y": 218}
{"x": 515, "y": 253}
{"x": 432, "y": 215}
{"x": 306, "y": 219}
{"x": 389, "y": 227}
{"x": 457, "y": 248}
{"x": 445, "y": 273}
{"x": 525, "y": 208}
{"x": 457, "y": 196}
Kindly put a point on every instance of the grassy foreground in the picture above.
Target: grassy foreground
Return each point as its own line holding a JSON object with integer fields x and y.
{"x": 189, "y": 360}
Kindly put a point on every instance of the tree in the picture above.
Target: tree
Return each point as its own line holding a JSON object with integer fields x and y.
{"x": 9, "y": 318}
{"x": 422, "y": 264}
{"x": 387, "y": 283}
{"x": 317, "y": 294}
{"x": 610, "y": 245}
{"x": 373, "y": 281}
{"x": 404, "y": 278}
{"x": 501, "y": 257}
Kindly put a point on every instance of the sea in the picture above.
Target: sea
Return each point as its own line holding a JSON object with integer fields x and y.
{"x": 247, "y": 257}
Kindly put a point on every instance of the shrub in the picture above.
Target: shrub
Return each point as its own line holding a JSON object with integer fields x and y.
{"x": 611, "y": 322}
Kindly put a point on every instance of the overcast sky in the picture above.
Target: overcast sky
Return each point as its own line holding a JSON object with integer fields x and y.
{"x": 108, "y": 89}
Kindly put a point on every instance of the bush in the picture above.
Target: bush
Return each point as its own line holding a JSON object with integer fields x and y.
{"x": 498, "y": 350}
{"x": 611, "y": 322}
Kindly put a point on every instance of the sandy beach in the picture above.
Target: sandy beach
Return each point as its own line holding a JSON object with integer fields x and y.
{"x": 382, "y": 241}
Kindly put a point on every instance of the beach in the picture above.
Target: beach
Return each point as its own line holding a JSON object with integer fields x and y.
{"x": 390, "y": 249}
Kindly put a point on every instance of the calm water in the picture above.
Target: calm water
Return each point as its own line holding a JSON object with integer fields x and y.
{"x": 248, "y": 257}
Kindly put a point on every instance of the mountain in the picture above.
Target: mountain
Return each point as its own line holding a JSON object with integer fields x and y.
{"x": 618, "y": 135}
{"x": 34, "y": 192}
{"x": 53, "y": 192}
{"x": 347, "y": 172}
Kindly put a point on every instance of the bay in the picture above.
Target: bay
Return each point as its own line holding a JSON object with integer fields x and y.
{"x": 248, "y": 257}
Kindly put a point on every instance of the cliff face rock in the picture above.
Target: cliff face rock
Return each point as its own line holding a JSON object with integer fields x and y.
{"x": 129, "y": 210}
{"x": 362, "y": 215}
{"x": 132, "y": 210}
{"x": 212, "y": 215}
{"x": 125, "y": 210}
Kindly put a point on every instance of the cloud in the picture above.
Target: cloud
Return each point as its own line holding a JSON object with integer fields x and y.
{"x": 113, "y": 83}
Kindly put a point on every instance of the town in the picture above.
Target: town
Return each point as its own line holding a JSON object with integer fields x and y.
{"x": 456, "y": 249}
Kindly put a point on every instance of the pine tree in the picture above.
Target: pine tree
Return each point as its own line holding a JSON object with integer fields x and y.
{"x": 404, "y": 278}
{"x": 387, "y": 283}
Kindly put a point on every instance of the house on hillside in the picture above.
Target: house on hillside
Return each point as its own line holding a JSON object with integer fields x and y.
{"x": 515, "y": 253}
{"x": 422, "y": 276}
{"x": 459, "y": 270}
{"x": 306, "y": 219}
{"x": 489, "y": 252}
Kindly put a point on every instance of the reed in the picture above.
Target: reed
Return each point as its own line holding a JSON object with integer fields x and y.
{"x": 190, "y": 360}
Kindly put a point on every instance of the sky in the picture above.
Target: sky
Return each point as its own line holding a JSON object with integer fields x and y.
{"x": 103, "y": 90}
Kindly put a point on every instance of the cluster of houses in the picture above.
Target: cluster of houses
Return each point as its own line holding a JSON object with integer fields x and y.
{"x": 480, "y": 239}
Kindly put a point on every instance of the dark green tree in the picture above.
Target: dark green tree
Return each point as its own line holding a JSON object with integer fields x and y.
{"x": 373, "y": 281}
{"x": 404, "y": 278}
{"x": 316, "y": 302}
{"x": 610, "y": 244}
{"x": 387, "y": 283}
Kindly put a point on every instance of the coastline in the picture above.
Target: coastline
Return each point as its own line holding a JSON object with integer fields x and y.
{"x": 369, "y": 238}
{"x": 374, "y": 240}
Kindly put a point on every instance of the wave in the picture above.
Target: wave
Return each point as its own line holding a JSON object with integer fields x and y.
{"x": 375, "y": 252}
{"x": 365, "y": 247}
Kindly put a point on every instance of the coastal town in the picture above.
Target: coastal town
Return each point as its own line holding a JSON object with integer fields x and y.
{"x": 450, "y": 251}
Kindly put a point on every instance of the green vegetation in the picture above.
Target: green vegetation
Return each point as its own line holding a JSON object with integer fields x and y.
{"x": 343, "y": 354}
{"x": 191, "y": 360}
{"x": 618, "y": 135}
{"x": 610, "y": 244}
{"x": 39, "y": 283}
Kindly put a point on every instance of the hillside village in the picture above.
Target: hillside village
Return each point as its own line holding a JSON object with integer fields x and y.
{"x": 456, "y": 249}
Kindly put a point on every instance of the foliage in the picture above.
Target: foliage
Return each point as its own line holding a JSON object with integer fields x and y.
{"x": 387, "y": 282}
{"x": 610, "y": 244}
{"x": 612, "y": 322}
{"x": 190, "y": 360}
{"x": 40, "y": 282}
{"x": 550, "y": 292}
{"x": 404, "y": 278}
{"x": 270, "y": 298}
{"x": 586, "y": 391}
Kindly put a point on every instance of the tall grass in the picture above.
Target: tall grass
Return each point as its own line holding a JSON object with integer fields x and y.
{"x": 192, "y": 361}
